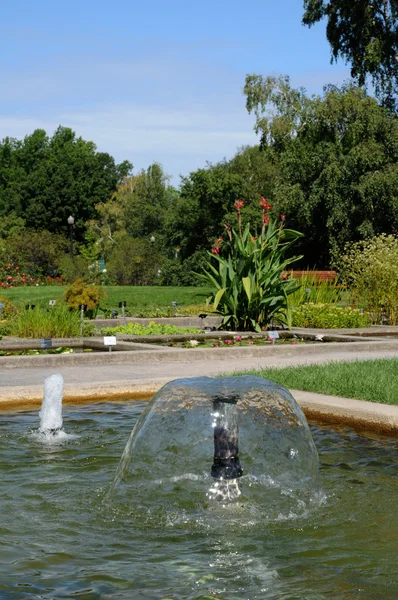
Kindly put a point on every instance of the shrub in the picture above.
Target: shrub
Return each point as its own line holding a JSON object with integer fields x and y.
{"x": 133, "y": 262}
{"x": 82, "y": 293}
{"x": 250, "y": 285}
{"x": 193, "y": 310}
{"x": 328, "y": 316}
{"x": 77, "y": 267}
{"x": 370, "y": 267}
{"x": 54, "y": 322}
{"x": 12, "y": 275}
{"x": 36, "y": 252}
{"x": 9, "y": 310}
{"x": 178, "y": 272}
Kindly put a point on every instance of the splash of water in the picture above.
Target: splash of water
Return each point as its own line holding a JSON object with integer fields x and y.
{"x": 51, "y": 408}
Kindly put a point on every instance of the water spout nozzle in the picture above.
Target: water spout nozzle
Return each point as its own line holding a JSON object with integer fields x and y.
{"x": 226, "y": 464}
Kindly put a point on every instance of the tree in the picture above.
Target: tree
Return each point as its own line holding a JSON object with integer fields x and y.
{"x": 364, "y": 33}
{"x": 43, "y": 180}
{"x": 145, "y": 199}
{"x": 337, "y": 156}
{"x": 208, "y": 195}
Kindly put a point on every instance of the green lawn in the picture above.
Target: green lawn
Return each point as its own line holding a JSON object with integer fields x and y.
{"x": 373, "y": 380}
{"x": 137, "y": 298}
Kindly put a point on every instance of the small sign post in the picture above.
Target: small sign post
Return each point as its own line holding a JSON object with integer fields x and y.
{"x": 83, "y": 308}
{"x": 52, "y": 302}
{"x": 109, "y": 340}
{"x": 45, "y": 344}
{"x": 273, "y": 335}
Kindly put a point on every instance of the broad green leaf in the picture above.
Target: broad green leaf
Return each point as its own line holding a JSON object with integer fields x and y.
{"x": 218, "y": 297}
{"x": 247, "y": 284}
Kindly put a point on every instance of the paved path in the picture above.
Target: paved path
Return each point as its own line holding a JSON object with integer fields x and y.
{"x": 102, "y": 376}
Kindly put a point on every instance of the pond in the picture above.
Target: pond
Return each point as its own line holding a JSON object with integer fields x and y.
{"x": 61, "y": 536}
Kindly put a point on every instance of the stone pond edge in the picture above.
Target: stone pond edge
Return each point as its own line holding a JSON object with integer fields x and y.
{"x": 360, "y": 415}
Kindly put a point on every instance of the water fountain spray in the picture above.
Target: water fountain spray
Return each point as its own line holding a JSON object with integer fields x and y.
{"x": 51, "y": 408}
{"x": 226, "y": 468}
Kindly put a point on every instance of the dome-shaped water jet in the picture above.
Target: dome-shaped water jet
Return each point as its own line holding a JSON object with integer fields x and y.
{"x": 205, "y": 441}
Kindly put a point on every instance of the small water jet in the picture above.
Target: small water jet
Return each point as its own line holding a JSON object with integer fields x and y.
{"x": 51, "y": 408}
{"x": 205, "y": 441}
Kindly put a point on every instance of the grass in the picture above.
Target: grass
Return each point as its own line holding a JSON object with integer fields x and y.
{"x": 372, "y": 380}
{"x": 137, "y": 298}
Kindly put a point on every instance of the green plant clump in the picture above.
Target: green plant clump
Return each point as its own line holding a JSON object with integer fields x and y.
{"x": 329, "y": 316}
{"x": 82, "y": 293}
{"x": 58, "y": 322}
{"x": 313, "y": 290}
{"x": 250, "y": 286}
{"x": 370, "y": 267}
{"x": 150, "y": 329}
{"x": 9, "y": 310}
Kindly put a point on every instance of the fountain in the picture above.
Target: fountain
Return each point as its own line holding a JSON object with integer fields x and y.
{"x": 215, "y": 496}
{"x": 51, "y": 408}
{"x": 205, "y": 441}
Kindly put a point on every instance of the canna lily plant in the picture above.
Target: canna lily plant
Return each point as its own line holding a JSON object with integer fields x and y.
{"x": 250, "y": 285}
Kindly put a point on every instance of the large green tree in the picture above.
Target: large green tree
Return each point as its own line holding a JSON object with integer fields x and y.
{"x": 43, "y": 180}
{"x": 365, "y": 34}
{"x": 145, "y": 199}
{"x": 338, "y": 162}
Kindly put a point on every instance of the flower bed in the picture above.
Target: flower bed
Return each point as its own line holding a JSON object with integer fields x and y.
{"x": 14, "y": 276}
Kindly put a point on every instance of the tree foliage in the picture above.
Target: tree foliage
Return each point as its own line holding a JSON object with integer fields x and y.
{"x": 43, "y": 180}
{"x": 207, "y": 198}
{"x": 364, "y": 33}
{"x": 337, "y": 162}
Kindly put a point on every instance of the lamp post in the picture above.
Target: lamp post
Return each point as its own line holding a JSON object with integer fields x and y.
{"x": 152, "y": 239}
{"x": 71, "y": 222}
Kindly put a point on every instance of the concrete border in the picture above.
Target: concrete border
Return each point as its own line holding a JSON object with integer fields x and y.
{"x": 145, "y": 354}
{"x": 356, "y": 414}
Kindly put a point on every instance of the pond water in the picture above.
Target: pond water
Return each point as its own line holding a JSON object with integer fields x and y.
{"x": 62, "y": 537}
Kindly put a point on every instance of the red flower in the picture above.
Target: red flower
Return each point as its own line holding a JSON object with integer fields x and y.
{"x": 239, "y": 204}
{"x": 215, "y": 250}
{"x": 283, "y": 218}
{"x": 265, "y": 218}
{"x": 265, "y": 204}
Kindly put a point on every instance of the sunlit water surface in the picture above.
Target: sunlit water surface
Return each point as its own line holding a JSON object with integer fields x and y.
{"x": 61, "y": 537}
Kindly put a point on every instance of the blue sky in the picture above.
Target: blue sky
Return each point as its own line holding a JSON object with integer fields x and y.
{"x": 158, "y": 80}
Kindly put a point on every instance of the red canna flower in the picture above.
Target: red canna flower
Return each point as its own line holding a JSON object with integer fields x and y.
{"x": 265, "y": 219}
{"x": 239, "y": 204}
{"x": 283, "y": 218}
{"x": 265, "y": 204}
